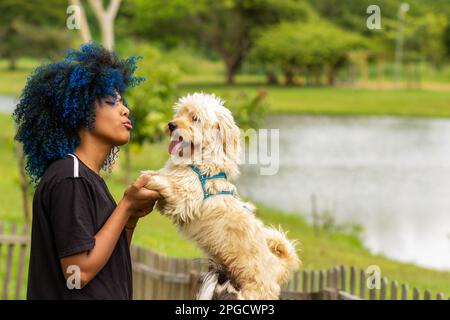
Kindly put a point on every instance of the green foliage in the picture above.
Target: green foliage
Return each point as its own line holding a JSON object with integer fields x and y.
{"x": 249, "y": 110}
{"x": 424, "y": 36}
{"x": 446, "y": 37}
{"x": 151, "y": 102}
{"x": 294, "y": 47}
{"x": 32, "y": 28}
{"x": 228, "y": 28}
{"x": 424, "y": 24}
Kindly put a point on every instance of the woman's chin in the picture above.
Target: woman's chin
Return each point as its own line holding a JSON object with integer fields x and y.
{"x": 123, "y": 140}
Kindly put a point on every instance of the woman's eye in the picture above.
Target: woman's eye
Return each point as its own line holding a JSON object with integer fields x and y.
{"x": 111, "y": 103}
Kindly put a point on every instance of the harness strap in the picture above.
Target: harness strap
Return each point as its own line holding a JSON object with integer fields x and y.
{"x": 203, "y": 177}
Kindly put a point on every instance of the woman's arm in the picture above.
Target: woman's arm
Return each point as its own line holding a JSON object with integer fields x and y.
{"x": 137, "y": 202}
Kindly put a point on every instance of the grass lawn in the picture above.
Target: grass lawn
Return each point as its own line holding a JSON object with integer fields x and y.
{"x": 312, "y": 100}
{"x": 342, "y": 101}
{"x": 158, "y": 233}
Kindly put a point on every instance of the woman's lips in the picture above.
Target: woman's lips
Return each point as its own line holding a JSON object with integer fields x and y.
{"x": 128, "y": 125}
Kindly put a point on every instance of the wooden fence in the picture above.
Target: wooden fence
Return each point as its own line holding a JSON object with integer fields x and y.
{"x": 156, "y": 276}
{"x": 14, "y": 253}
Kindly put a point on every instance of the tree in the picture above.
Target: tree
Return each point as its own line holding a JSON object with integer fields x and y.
{"x": 424, "y": 24}
{"x": 151, "y": 101}
{"x": 105, "y": 19}
{"x": 229, "y": 28}
{"x": 316, "y": 47}
{"x": 447, "y": 40}
{"x": 31, "y": 28}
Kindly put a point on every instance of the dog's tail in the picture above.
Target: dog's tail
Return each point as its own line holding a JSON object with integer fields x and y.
{"x": 208, "y": 287}
{"x": 283, "y": 248}
{"x": 217, "y": 285}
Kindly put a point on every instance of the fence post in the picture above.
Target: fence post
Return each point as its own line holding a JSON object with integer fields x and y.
{"x": 352, "y": 280}
{"x": 321, "y": 280}
{"x": 313, "y": 281}
{"x": 415, "y": 294}
{"x": 305, "y": 281}
{"x": 22, "y": 252}
{"x": 404, "y": 291}
{"x": 394, "y": 289}
{"x": 9, "y": 261}
{"x": 335, "y": 277}
{"x": 193, "y": 280}
{"x": 362, "y": 284}
{"x": 296, "y": 281}
{"x": 373, "y": 293}
{"x": 384, "y": 284}
{"x": 328, "y": 278}
{"x": 343, "y": 278}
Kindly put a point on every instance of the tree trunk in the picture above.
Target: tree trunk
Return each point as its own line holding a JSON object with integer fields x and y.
{"x": 23, "y": 184}
{"x": 331, "y": 78}
{"x": 106, "y": 19}
{"x": 127, "y": 165}
{"x": 317, "y": 76}
{"x": 289, "y": 78}
{"x": 232, "y": 64}
{"x": 85, "y": 32}
{"x": 271, "y": 78}
{"x": 12, "y": 63}
{"x": 230, "y": 74}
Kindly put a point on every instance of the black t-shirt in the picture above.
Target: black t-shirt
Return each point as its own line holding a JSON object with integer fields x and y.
{"x": 70, "y": 205}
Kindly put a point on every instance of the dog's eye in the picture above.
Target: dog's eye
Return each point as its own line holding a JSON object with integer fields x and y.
{"x": 195, "y": 119}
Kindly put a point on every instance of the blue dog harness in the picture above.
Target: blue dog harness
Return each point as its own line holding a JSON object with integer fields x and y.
{"x": 203, "y": 177}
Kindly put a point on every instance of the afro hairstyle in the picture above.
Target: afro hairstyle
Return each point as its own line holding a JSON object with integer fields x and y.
{"x": 59, "y": 98}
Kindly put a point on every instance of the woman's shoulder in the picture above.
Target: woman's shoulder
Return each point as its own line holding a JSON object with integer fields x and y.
{"x": 57, "y": 172}
{"x": 61, "y": 168}
{"x": 66, "y": 168}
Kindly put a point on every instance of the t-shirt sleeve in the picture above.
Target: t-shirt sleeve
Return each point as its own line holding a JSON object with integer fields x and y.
{"x": 72, "y": 216}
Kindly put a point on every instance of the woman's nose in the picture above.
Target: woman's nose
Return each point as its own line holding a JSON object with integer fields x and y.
{"x": 125, "y": 111}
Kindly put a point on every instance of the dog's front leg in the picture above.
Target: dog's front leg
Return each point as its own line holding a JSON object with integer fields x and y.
{"x": 162, "y": 185}
{"x": 177, "y": 201}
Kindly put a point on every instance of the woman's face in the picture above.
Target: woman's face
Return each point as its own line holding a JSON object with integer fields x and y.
{"x": 112, "y": 124}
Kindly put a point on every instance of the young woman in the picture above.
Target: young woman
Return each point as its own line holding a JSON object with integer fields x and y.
{"x": 71, "y": 118}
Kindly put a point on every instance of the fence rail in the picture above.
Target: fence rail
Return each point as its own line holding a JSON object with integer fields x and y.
{"x": 156, "y": 276}
{"x": 13, "y": 261}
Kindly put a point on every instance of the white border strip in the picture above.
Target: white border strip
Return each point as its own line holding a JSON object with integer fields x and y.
{"x": 75, "y": 165}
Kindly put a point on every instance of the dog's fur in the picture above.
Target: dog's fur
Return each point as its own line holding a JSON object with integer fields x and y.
{"x": 257, "y": 259}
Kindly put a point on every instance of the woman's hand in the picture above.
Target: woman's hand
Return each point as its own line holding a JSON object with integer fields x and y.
{"x": 139, "y": 200}
{"x": 136, "y": 203}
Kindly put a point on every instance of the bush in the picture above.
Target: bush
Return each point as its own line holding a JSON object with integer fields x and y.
{"x": 292, "y": 48}
{"x": 249, "y": 111}
{"x": 151, "y": 102}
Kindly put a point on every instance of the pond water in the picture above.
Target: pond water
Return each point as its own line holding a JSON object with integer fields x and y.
{"x": 7, "y": 104}
{"x": 390, "y": 175}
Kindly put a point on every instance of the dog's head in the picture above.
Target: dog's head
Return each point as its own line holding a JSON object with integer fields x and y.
{"x": 203, "y": 132}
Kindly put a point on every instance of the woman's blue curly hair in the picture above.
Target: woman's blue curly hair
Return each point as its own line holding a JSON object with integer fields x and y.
{"x": 59, "y": 98}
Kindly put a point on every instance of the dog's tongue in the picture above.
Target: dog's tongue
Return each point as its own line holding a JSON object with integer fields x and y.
{"x": 174, "y": 147}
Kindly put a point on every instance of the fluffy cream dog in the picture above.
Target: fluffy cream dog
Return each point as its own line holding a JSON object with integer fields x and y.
{"x": 203, "y": 203}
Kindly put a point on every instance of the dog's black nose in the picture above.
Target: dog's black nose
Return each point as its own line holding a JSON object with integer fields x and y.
{"x": 172, "y": 126}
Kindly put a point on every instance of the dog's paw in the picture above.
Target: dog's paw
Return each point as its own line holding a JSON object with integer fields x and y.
{"x": 148, "y": 173}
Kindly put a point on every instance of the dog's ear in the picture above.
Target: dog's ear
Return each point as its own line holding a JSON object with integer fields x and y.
{"x": 229, "y": 135}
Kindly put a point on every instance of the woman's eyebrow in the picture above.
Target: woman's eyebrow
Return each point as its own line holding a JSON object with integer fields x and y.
{"x": 117, "y": 99}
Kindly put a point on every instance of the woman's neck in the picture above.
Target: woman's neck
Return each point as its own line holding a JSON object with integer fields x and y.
{"x": 92, "y": 152}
